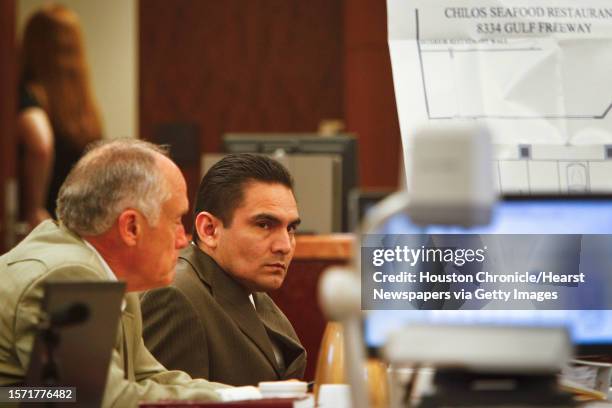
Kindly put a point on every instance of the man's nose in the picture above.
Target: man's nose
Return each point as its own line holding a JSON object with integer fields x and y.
{"x": 181, "y": 238}
{"x": 283, "y": 242}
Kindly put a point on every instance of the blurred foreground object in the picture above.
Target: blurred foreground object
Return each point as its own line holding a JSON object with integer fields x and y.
{"x": 450, "y": 182}
{"x": 486, "y": 365}
{"x": 330, "y": 368}
{"x": 450, "y": 177}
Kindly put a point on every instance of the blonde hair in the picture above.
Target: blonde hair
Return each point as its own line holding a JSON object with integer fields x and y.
{"x": 54, "y": 69}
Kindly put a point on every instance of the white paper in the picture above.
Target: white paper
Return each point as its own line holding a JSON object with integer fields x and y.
{"x": 537, "y": 73}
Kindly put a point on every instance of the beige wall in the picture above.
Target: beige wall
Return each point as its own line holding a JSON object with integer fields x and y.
{"x": 111, "y": 33}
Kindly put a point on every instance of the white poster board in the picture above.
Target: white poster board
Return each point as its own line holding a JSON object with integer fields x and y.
{"x": 537, "y": 73}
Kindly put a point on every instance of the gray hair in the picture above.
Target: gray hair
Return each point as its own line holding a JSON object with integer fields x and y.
{"x": 111, "y": 177}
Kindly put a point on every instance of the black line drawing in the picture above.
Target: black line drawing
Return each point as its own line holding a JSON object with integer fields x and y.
{"x": 569, "y": 176}
{"x": 452, "y": 52}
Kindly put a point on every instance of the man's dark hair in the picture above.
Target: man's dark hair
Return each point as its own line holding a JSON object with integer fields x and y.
{"x": 222, "y": 188}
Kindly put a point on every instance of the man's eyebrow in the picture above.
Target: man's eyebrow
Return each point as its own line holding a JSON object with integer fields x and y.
{"x": 273, "y": 218}
{"x": 265, "y": 217}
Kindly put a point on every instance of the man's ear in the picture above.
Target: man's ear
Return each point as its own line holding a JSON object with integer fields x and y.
{"x": 207, "y": 227}
{"x": 130, "y": 228}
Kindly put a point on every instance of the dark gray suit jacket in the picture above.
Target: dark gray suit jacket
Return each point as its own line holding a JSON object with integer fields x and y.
{"x": 205, "y": 324}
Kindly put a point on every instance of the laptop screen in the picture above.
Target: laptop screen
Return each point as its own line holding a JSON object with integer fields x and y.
{"x": 514, "y": 215}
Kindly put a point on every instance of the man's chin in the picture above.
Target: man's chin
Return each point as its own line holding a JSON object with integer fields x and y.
{"x": 167, "y": 279}
{"x": 271, "y": 285}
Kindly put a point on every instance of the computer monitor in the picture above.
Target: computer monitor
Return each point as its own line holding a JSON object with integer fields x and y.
{"x": 85, "y": 340}
{"x": 590, "y": 330}
{"x": 342, "y": 145}
{"x": 361, "y": 201}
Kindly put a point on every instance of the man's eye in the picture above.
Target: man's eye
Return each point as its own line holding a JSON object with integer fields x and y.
{"x": 263, "y": 225}
{"x": 292, "y": 228}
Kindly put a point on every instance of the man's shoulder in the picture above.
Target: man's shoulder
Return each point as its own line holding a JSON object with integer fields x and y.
{"x": 50, "y": 247}
{"x": 186, "y": 275}
{"x": 47, "y": 254}
{"x": 189, "y": 287}
{"x": 187, "y": 284}
{"x": 194, "y": 266}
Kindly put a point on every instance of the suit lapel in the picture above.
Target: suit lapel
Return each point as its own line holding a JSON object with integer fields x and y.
{"x": 268, "y": 314}
{"x": 245, "y": 317}
{"x": 234, "y": 300}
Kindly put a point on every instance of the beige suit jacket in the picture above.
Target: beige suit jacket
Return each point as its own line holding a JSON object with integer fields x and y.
{"x": 52, "y": 252}
{"x": 205, "y": 325}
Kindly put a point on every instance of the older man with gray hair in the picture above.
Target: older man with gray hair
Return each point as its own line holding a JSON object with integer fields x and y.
{"x": 119, "y": 215}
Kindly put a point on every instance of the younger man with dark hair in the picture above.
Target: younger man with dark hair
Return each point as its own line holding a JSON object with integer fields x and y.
{"x": 215, "y": 321}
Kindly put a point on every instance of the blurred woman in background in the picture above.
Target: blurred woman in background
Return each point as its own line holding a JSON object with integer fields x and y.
{"x": 58, "y": 117}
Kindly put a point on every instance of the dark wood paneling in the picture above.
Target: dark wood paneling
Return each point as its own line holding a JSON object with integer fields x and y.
{"x": 271, "y": 65}
{"x": 373, "y": 116}
{"x": 8, "y": 106}
{"x": 370, "y": 109}
{"x": 259, "y": 65}
{"x": 234, "y": 65}
{"x": 299, "y": 301}
{"x": 365, "y": 23}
